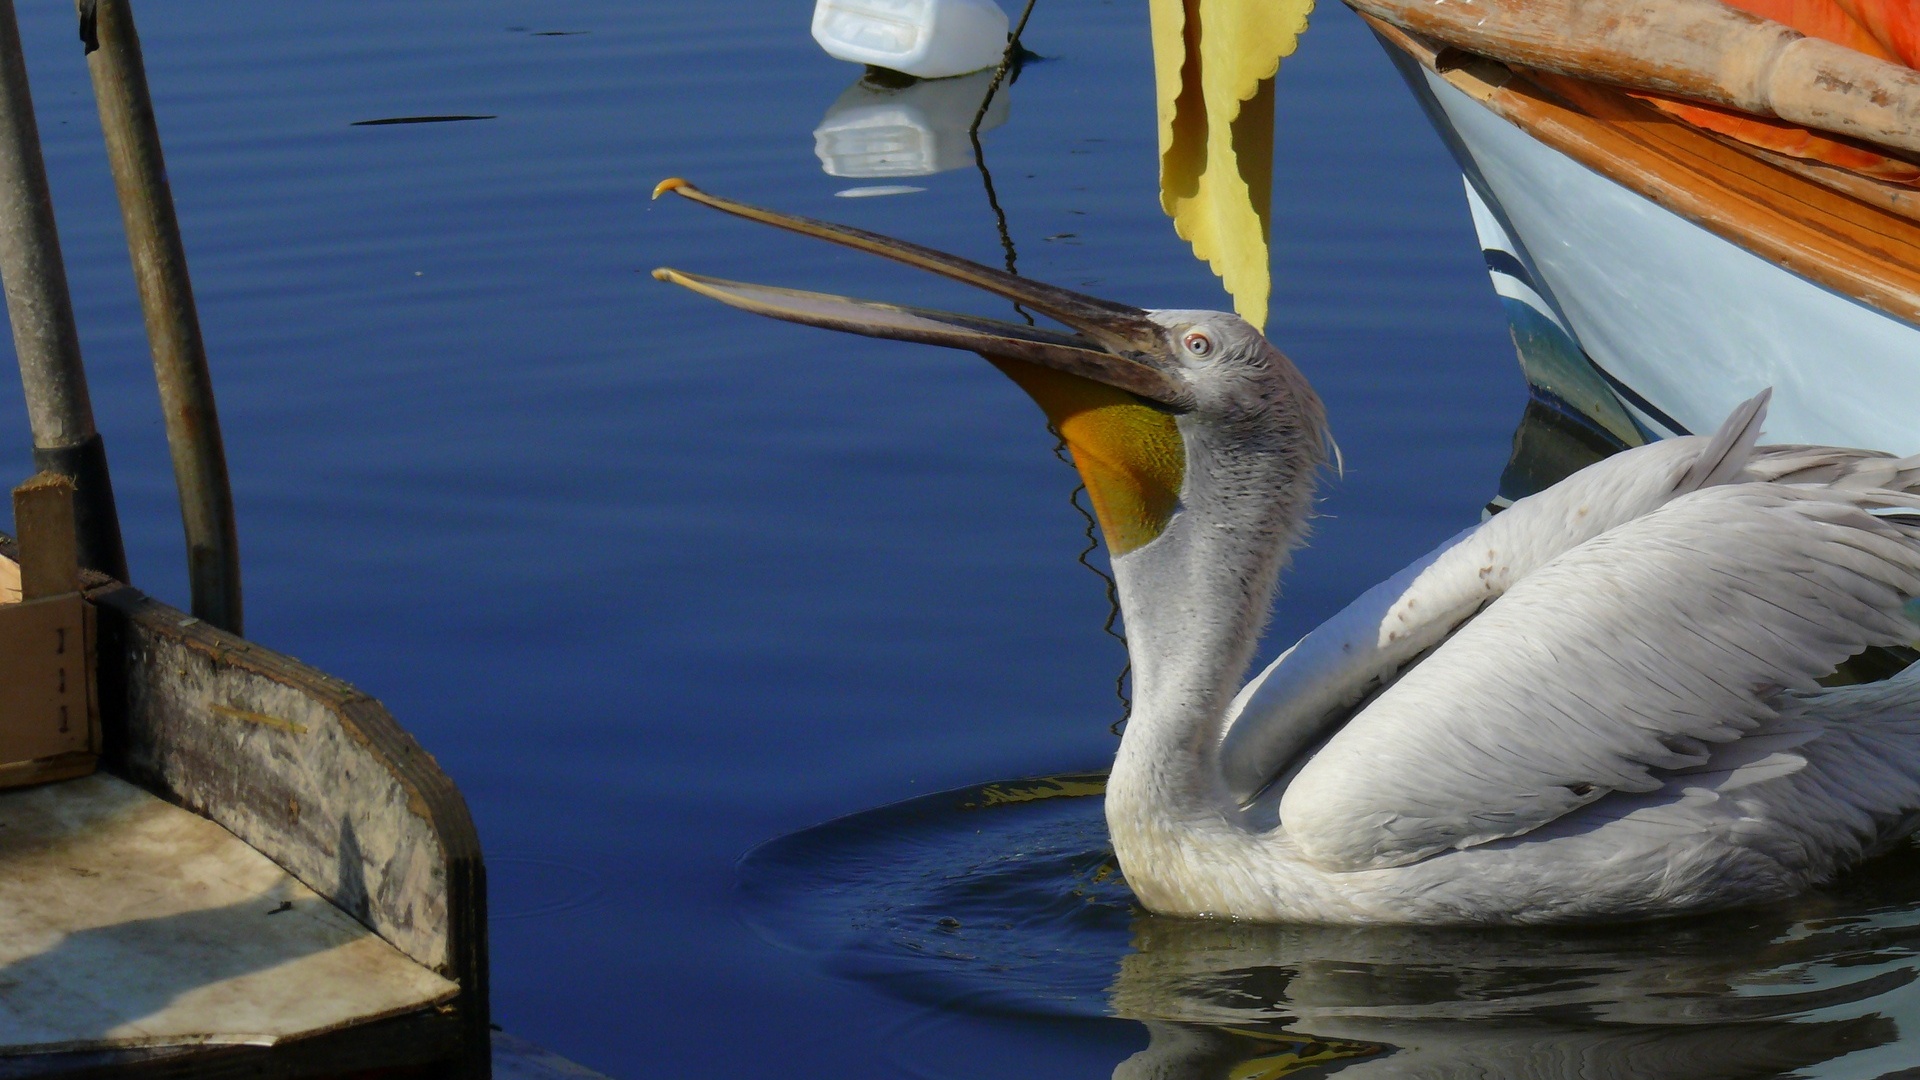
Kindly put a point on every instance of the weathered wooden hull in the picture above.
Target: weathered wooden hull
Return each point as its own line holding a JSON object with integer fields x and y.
{"x": 304, "y": 897}
{"x": 1646, "y": 261}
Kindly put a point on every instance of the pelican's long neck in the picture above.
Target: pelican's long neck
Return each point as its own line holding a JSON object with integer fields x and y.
{"x": 1195, "y": 602}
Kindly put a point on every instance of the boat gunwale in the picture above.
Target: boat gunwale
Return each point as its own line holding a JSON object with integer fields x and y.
{"x": 1822, "y": 232}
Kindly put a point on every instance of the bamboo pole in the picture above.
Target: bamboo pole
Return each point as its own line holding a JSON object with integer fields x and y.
{"x": 166, "y": 296}
{"x": 45, "y": 339}
{"x": 1699, "y": 49}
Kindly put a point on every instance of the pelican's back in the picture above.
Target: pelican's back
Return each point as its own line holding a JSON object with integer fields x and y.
{"x": 1368, "y": 644}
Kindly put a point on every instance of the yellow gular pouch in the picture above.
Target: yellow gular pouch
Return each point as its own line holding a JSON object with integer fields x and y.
{"x": 1129, "y": 453}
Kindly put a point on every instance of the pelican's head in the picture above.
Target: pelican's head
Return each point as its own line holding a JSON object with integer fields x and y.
{"x": 1153, "y": 404}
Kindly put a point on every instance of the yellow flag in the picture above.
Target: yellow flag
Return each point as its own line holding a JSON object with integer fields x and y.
{"x": 1213, "y": 68}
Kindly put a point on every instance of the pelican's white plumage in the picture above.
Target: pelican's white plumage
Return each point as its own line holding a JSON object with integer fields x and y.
{"x": 1599, "y": 704}
{"x": 1603, "y": 703}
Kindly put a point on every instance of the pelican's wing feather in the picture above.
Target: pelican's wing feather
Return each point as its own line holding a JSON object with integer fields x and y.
{"x": 1368, "y": 643}
{"x": 1613, "y": 664}
{"x": 1838, "y": 466}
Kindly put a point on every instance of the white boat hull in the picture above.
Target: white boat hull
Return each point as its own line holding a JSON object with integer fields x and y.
{"x": 1678, "y": 323}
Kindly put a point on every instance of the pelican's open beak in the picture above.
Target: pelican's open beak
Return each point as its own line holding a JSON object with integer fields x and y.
{"x": 1109, "y": 388}
{"x": 1115, "y": 344}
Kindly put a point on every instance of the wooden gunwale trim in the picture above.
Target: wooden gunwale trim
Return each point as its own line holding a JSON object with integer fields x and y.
{"x": 1725, "y": 162}
{"x": 1893, "y": 198}
{"x": 1833, "y": 239}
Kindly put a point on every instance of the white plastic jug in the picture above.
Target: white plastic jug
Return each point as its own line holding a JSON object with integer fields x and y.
{"x": 928, "y": 39}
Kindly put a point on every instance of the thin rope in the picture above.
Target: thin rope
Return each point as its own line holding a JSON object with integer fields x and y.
{"x": 1006, "y": 61}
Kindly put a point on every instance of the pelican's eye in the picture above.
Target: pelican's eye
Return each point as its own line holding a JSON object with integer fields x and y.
{"x": 1198, "y": 343}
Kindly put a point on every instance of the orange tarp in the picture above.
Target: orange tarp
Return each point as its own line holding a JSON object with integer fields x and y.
{"x": 1884, "y": 29}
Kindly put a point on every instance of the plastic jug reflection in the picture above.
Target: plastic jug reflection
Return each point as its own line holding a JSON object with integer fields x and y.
{"x": 913, "y": 130}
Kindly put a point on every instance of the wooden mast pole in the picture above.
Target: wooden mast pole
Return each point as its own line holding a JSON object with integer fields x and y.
{"x": 45, "y": 339}
{"x": 166, "y": 296}
{"x": 41, "y": 310}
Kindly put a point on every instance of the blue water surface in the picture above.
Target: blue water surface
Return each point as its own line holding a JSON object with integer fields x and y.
{"x": 655, "y": 581}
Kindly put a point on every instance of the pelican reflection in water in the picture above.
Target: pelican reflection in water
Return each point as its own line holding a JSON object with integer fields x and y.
{"x": 1692, "y": 1000}
{"x": 1602, "y": 703}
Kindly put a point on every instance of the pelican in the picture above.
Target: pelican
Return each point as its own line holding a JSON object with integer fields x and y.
{"x": 1603, "y": 703}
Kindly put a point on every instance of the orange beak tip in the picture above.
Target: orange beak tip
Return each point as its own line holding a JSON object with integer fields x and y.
{"x": 671, "y": 183}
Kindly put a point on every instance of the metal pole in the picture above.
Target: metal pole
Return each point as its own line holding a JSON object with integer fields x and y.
{"x": 166, "y": 295}
{"x": 35, "y": 279}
